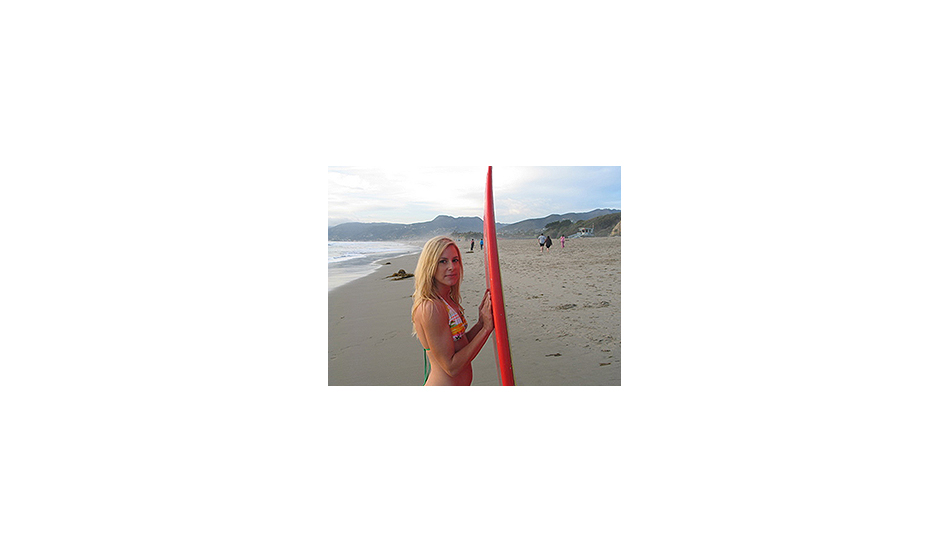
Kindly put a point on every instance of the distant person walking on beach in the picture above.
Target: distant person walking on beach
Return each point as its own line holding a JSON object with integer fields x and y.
{"x": 562, "y": 241}
{"x": 541, "y": 242}
{"x": 481, "y": 244}
{"x": 438, "y": 319}
{"x": 473, "y": 245}
{"x": 547, "y": 242}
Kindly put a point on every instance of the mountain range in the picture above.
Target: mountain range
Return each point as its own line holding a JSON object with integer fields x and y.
{"x": 446, "y": 225}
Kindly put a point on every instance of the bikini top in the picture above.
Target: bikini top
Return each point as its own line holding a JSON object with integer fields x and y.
{"x": 457, "y": 322}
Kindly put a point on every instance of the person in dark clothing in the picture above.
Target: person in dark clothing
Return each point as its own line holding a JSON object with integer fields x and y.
{"x": 547, "y": 241}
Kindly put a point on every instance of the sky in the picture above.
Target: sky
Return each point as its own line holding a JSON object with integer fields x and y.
{"x": 411, "y": 195}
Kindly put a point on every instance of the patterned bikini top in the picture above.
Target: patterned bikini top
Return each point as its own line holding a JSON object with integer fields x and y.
{"x": 456, "y": 321}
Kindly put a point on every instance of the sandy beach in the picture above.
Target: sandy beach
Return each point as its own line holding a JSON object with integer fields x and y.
{"x": 562, "y": 305}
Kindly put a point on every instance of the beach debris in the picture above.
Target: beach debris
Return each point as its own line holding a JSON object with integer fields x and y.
{"x": 604, "y": 364}
{"x": 401, "y": 274}
{"x": 566, "y": 306}
{"x": 553, "y": 355}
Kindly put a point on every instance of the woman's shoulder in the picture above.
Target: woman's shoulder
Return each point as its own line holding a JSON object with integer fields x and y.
{"x": 431, "y": 306}
{"x": 431, "y": 313}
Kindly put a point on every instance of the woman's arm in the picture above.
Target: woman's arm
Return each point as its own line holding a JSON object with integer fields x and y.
{"x": 481, "y": 319}
{"x": 435, "y": 323}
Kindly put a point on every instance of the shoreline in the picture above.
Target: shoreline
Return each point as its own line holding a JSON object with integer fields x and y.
{"x": 562, "y": 308}
{"x": 379, "y": 268}
{"x": 369, "y": 263}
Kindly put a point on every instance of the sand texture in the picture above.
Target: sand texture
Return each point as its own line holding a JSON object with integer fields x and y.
{"x": 562, "y": 306}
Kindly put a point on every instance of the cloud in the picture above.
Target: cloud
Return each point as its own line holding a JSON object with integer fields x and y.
{"x": 409, "y": 195}
{"x": 402, "y": 195}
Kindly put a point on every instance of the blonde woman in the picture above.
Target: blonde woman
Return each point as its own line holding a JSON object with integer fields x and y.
{"x": 438, "y": 319}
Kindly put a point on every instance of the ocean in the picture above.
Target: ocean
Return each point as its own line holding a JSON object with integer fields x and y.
{"x": 350, "y": 260}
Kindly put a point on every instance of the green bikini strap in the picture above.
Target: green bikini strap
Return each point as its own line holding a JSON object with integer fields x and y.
{"x": 427, "y": 368}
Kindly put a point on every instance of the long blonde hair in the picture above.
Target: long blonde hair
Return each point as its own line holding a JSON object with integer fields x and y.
{"x": 425, "y": 274}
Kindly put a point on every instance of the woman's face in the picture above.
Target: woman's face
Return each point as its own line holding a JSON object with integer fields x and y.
{"x": 448, "y": 271}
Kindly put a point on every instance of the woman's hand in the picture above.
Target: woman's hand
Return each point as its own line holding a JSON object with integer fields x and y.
{"x": 485, "y": 312}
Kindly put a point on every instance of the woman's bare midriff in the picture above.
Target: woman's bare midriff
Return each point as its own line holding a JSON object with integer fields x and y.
{"x": 438, "y": 377}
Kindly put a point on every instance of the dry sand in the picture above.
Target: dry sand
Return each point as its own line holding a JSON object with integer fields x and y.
{"x": 563, "y": 311}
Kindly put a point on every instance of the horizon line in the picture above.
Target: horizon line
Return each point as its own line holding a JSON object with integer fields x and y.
{"x": 477, "y": 217}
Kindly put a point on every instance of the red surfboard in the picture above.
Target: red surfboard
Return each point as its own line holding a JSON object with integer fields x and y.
{"x": 506, "y": 376}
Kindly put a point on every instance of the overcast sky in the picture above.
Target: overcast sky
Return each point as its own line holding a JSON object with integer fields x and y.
{"x": 410, "y": 195}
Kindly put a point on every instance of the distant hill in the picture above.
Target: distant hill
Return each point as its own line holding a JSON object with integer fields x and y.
{"x": 441, "y": 225}
{"x": 603, "y": 226}
{"x": 531, "y": 228}
{"x": 471, "y": 227}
